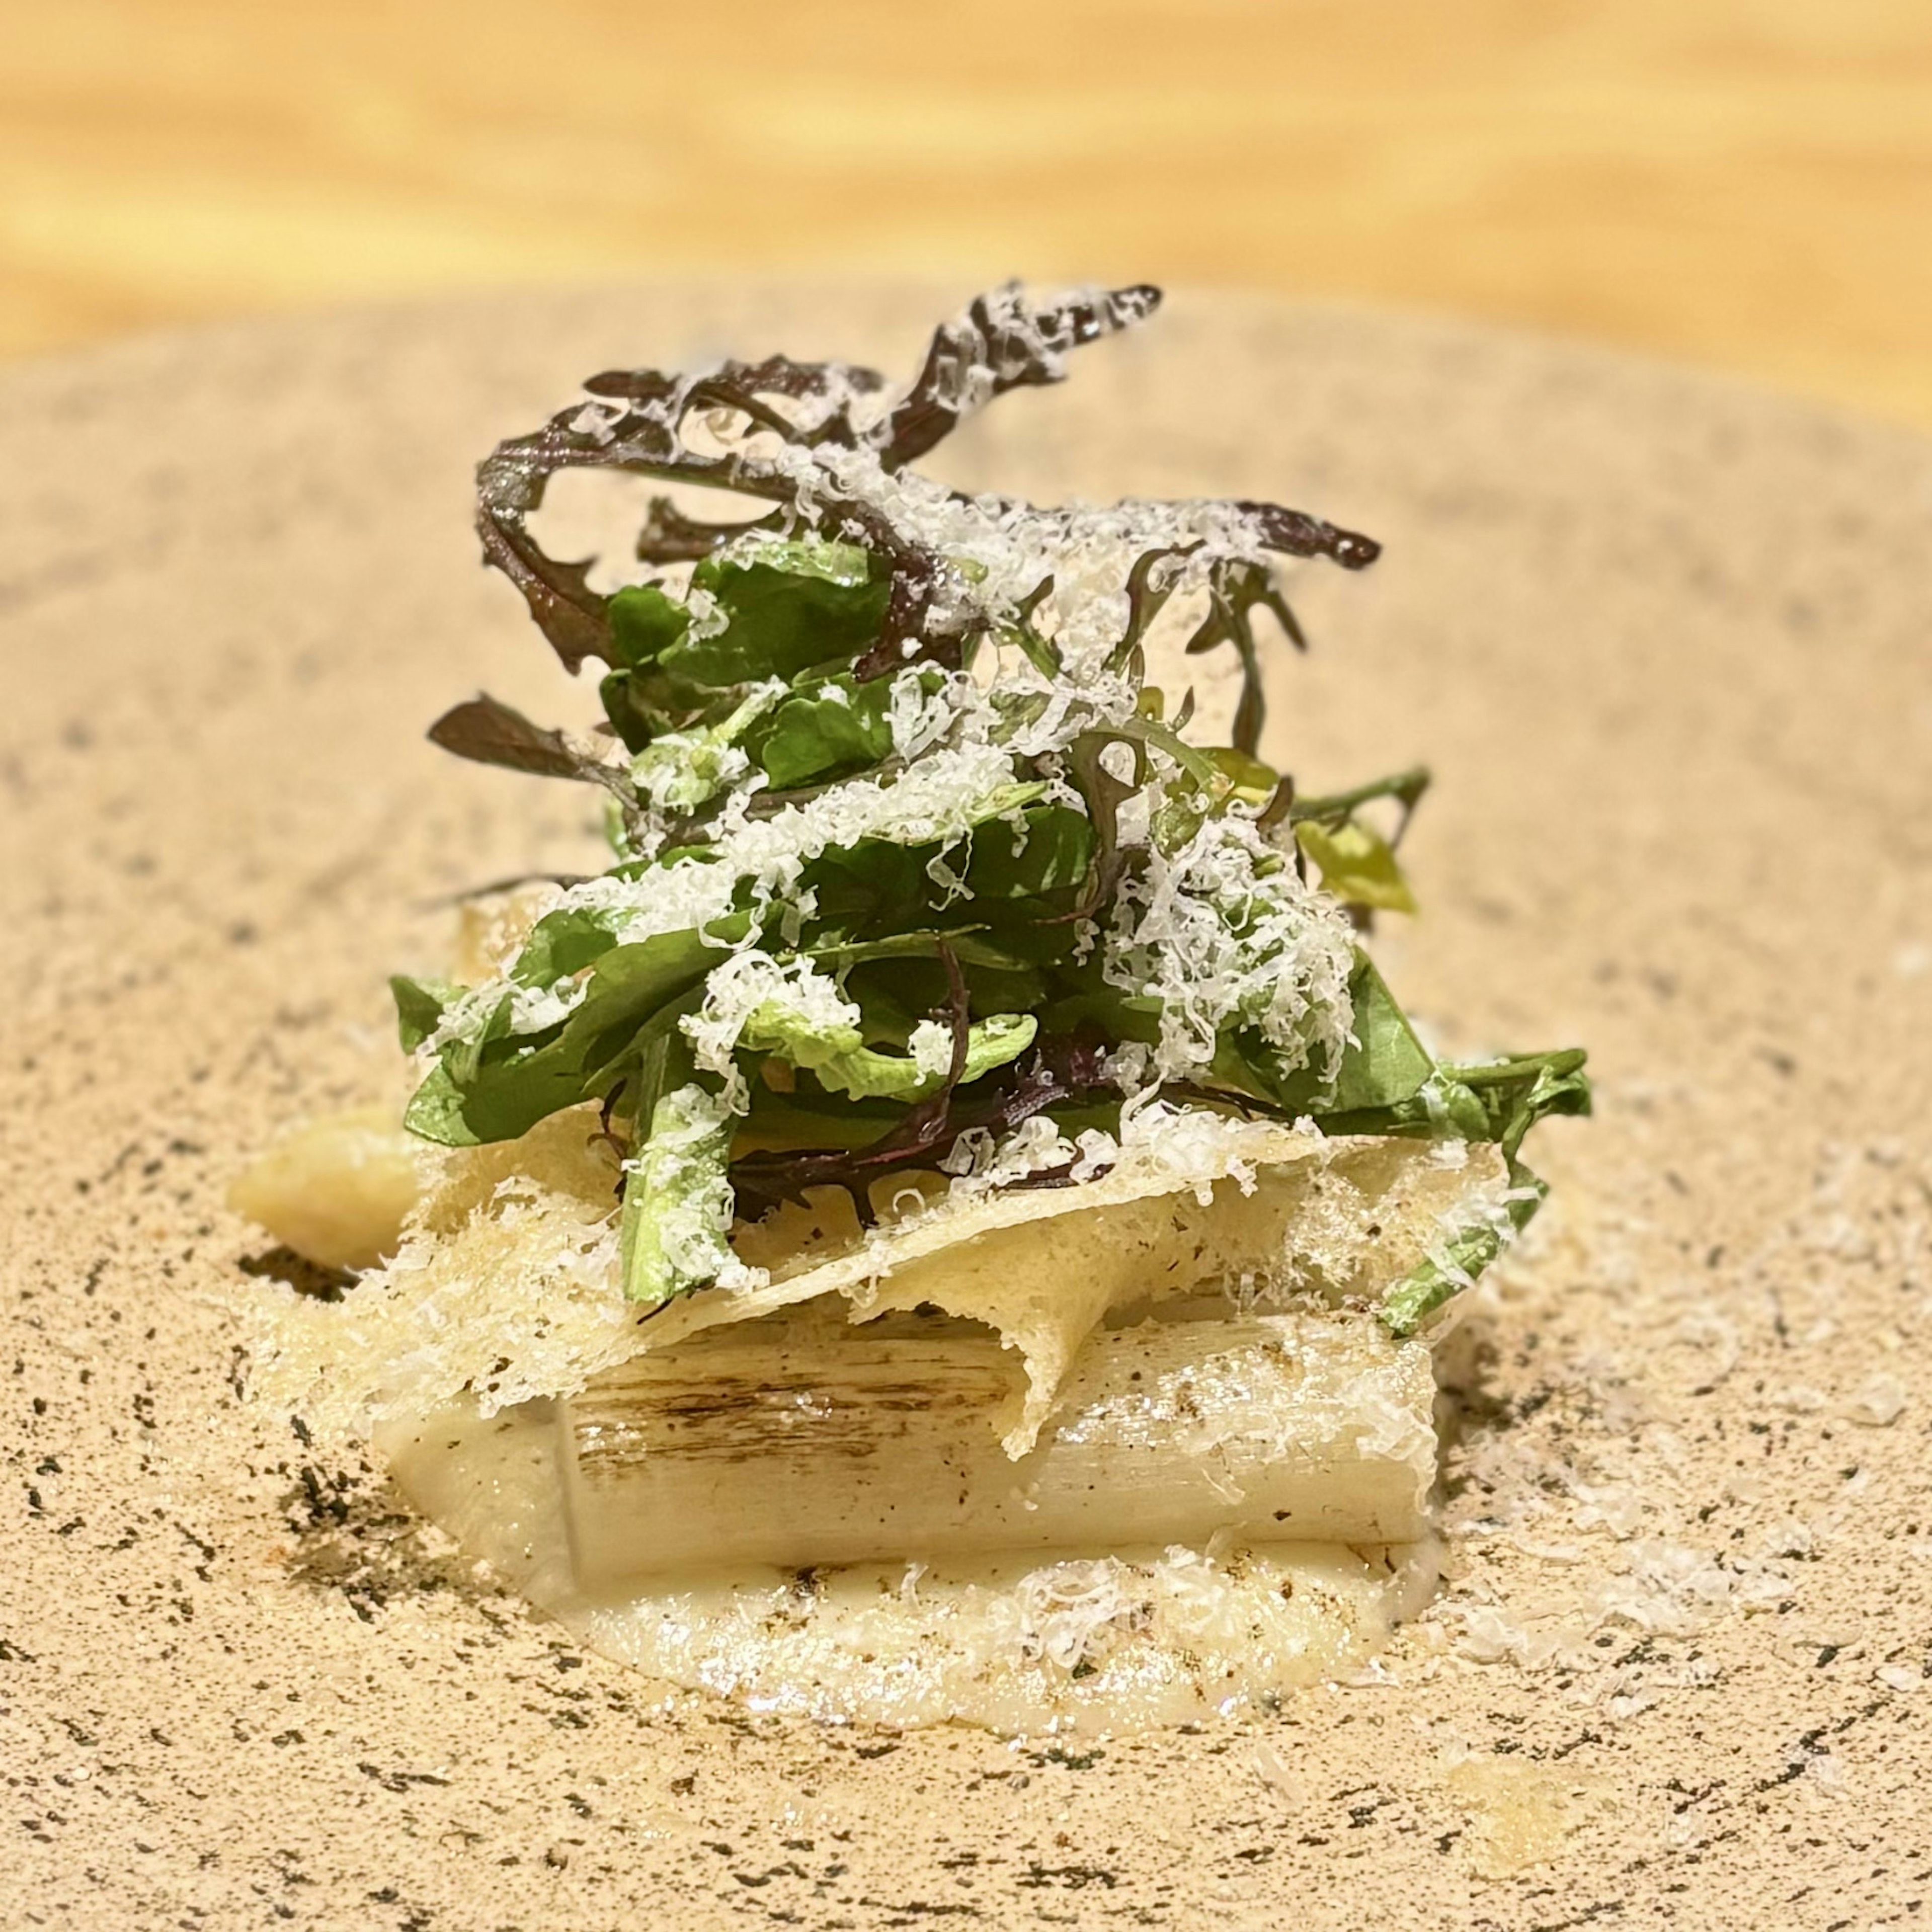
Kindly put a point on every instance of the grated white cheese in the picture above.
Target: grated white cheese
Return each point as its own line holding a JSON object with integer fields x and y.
{"x": 1222, "y": 932}
{"x": 999, "y": 550}
{"x": 793, "y": 998}
{"x": 1075, "y": 1613}
{"x": 679, "y": 771}
{"x": 709, "y": 618}
{"x": 919, "y": 720}
{"x": 931, "y": 1046}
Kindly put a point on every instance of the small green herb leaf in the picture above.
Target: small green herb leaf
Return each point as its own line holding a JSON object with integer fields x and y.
{"x": 677, "y": 1199}
{"x": 833, "y": 727}
{"x": 561, "y": 943}
{"x": 1384, "y": 1065}
{"x": 1357, "y": 865}
{"x": 1048, "y": 851}
{"x": 786, "y": 607}
{"x": 867, "y": 1074}
{"x": 645, "y": 622}
{"x": 495, "y": 1085}
{"x": 420, "y": 1006}
{"x": 1440, "y": 1277}
{"x": 435, "y": 1111}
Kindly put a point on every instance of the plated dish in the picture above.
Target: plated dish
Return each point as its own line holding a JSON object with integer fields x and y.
{"x": 950, "y": 1221}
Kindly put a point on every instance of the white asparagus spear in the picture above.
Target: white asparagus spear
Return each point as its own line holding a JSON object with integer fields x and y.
{"x": 832, "y": 1446}
{"x": 337, "y": 1189}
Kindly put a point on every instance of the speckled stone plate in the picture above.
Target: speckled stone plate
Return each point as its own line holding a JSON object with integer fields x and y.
{"x": 1665, "y": 641}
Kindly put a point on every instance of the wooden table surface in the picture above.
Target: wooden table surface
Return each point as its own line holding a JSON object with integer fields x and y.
{"x": 1744, "y": 183}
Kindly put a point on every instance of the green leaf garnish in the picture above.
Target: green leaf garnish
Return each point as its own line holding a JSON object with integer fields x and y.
{"x": 1356, "y": 864}
{"x": 677, "y": 1200}
{"x": 497, "y": 1085}
{"x": 1077, "y": 900}
{"x": 1439, "y": 1278}
{"x": 828, "y": 727}
{"x": 420, "y": 1006}
{"x": 562, "y": 943}
{"x": 784, "y": 608}
{"x": 841, "y": 1063}
{"x": 645, "y": 622}
{"x": 1509, "y": 1097}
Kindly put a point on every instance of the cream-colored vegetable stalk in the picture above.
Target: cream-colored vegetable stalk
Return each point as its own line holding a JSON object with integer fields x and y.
{"x": 817, "y": 1444}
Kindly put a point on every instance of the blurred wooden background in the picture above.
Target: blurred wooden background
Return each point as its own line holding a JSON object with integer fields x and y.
{"x": 1746, "y": 183}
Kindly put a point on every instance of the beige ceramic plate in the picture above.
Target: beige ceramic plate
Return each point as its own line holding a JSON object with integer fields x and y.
{"x": 1666, "y": 642}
